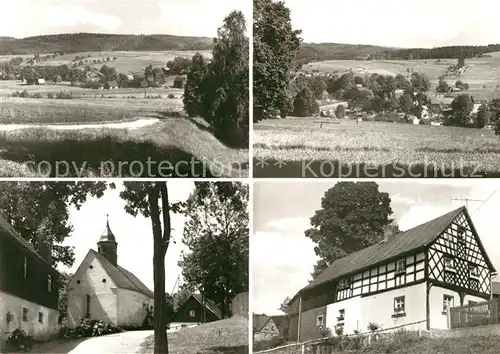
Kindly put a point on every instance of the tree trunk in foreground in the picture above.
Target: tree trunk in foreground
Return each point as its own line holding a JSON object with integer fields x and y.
{"x": 160, "y": 248}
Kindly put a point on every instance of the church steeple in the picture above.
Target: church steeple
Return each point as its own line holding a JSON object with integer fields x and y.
{"x": 107, "y": 245}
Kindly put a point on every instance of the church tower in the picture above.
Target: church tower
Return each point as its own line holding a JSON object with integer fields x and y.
{"x": 107, "y": 245}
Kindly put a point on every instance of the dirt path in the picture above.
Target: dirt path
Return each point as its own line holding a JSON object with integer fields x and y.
{"x": 126, "y": 342}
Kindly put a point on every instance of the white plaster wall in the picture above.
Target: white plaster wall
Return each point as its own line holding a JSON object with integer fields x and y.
{"x": 131, "y": 309}
{"x": 438, "y": 320}
{"x": 14, "y": 305}
{"x": 352, "y": 318}
{"x": 103, "y": 304}
{"x": 379, "y": 308}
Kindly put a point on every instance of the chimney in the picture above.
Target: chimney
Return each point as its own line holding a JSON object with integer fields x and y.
{"x": 388, "y": 232}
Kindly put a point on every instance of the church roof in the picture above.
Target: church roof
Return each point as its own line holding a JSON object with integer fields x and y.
{"x": 401, "y": 243}
{"x": 107, "y": 234}
{"x": 122, "y": 277}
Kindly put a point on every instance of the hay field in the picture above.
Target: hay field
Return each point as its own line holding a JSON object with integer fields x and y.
{"x": 482, "y": 71}
{"x": 187, "y": 143}
{"x": 127, "y": 61}
{"x": 343, "y": 143}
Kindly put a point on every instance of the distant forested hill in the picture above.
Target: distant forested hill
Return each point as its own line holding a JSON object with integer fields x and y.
{"x": 310, "y": 52}
{"x": 90, "y": 42}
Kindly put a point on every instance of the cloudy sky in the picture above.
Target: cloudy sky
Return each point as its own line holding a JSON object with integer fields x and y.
{"x": 282, "y": 258}
{"x": 24, "y": 18}
{"x": 396, "y": 23}
{"x": 133, "y": 234}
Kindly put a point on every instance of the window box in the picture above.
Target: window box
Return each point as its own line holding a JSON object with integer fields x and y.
{"x": 398, "y": 314}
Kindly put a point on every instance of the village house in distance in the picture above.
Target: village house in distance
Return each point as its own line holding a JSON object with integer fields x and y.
{"x": 408, "y": 280}
{"x": 29, "y": 286}
{"x": 102, "y": 290}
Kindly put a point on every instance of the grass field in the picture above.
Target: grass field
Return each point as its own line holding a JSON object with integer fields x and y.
{"x": 465, "y": 345}
{"x": 187, "y": 147}
{"x": 228, "y": 336}
{"x": 482, "y": 71}
{"x": 299, "y": 147}
{"x": 126, "y": 61}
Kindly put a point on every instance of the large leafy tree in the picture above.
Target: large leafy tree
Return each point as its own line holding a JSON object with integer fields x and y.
{"x": 216, "y": 233}
{"x": 152, "y": 201}
{"x": 39, "y": 211}
{"x": 284, "y": 306}
{"x": 353, "y": 216}
{"x": 462, "y": 106}
{"x": 276, "y": 44}
{"x": 221, "y": 94}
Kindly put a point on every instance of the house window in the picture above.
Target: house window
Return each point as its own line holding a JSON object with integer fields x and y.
{"x": 87, "y": 307}
{"x": 272, "y": 328}
{"x": 320, "y": 320}
{"x": 25, "y": 314}
{"x": 25, "y": 267}
{"x": 461, "y": 234}
{"x": 449, "y": 264}
{"x": 49, "y": 283}
{"x": 399, "y": 305}
{"x": 192, "y": 313}
{"x": 447, "y": 302}
{"x": 341, "y": 315}
{"x": 344, "y": 284}
{"x": 473, "y": 271}
{"x": 40, "y": 317}
{"x": 401, "y": 266}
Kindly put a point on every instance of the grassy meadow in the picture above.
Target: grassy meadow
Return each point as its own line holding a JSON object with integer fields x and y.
{"x": 229, "y": 336}
{"x": 483, "y": 74}
{"x": 126, "y": 61}
{"x": 282, "y": 147}
{"x": 186, "y": 146}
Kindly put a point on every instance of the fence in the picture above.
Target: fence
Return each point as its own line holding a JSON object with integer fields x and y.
{"x": 348, "y": 342}
{"x": 484, "y": 313}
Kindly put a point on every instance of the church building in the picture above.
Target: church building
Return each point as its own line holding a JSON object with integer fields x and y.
{"x": 406, "y": 281}
{"x": 102, "y": 290}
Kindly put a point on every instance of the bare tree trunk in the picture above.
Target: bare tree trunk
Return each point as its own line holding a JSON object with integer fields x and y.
{"x": 160, "y": 328}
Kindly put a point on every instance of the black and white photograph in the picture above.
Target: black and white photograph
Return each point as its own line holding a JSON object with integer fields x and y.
{"x": 376, "y": 89}
{"x": 124, "y": 267}
{"x": 119, "y": 88}
{"x": 376, "y": 266}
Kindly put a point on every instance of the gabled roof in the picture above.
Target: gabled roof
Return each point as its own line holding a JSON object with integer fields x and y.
{"x": 281, "y": 322}
{"x": 209, "y": 305}
{"x": 122, "y": 277}
{"x": 112, "y": 83}
{"x": 259, "y": 321}
{"x": 401, "y": 243}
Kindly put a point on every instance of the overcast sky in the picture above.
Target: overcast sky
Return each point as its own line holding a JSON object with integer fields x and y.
{"x": 282, "y": 258}
{"x": 133, "y": 234}
{"x": 24, "y": 18}
{"x": 397, "y": 23}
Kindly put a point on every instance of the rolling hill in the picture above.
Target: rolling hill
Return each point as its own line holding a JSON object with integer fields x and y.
{"x": 89, "y": 42}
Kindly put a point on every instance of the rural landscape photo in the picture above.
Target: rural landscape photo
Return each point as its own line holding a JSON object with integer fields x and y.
{"x": 376, "y": 266}
{"x": 401, "y": 99}
{"x": 124, "y": 267}
{"x": 94, "y": 89}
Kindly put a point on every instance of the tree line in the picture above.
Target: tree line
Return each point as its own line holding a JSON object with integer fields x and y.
{"x": 92, "y": 42}
{"x": 311, "y": 52}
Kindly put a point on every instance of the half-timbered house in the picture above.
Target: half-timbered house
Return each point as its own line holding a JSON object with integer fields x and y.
{"x": 407, "y": 280}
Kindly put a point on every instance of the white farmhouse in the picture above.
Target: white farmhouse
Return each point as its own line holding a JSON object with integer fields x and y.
{"x": 408, "y": 281}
